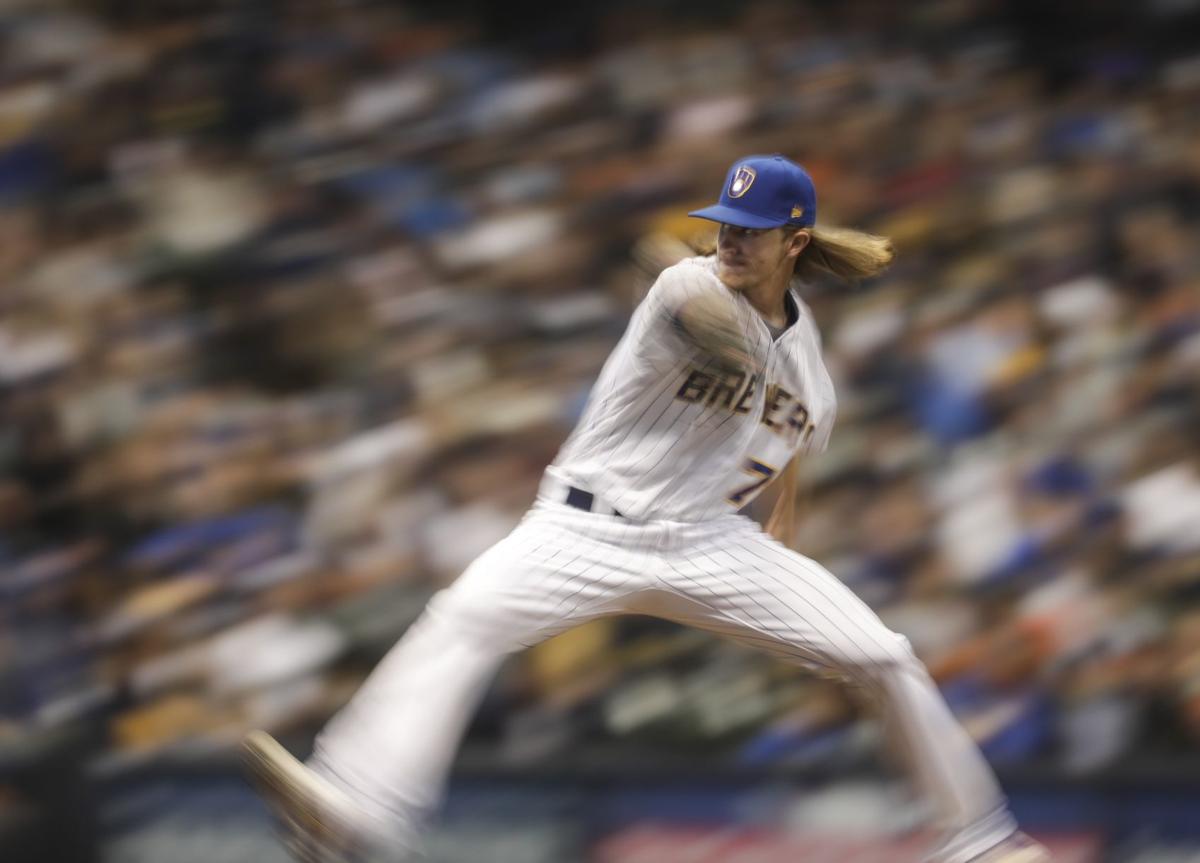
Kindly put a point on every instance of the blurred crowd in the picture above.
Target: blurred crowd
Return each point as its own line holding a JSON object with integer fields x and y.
{"x": 297, "y": 299}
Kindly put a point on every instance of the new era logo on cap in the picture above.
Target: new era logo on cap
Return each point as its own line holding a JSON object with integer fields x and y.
{"x": 764, "y": 192}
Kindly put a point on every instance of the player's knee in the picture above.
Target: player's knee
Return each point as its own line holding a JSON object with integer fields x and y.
{"x": 888, "y": 652}
{"x": 463, "y": 609}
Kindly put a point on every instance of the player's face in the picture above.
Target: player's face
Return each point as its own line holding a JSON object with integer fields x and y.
{"x": 748, "y": 257}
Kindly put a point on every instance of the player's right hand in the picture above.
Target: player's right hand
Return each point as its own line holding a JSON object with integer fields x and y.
{"x": 709, "y": 322}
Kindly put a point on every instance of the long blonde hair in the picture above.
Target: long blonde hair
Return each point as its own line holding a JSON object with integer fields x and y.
{"x": 843, "y": 252}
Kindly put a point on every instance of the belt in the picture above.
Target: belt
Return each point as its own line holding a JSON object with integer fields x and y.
{"x": 561, "y": 492}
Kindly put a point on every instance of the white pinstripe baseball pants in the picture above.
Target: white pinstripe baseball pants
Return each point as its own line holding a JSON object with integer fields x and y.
{"x": 391, "y": 747}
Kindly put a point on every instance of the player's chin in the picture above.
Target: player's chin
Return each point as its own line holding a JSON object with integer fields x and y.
{"x": 734, "y": 277}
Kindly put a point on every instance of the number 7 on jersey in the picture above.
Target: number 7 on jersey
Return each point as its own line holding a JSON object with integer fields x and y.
{"x": 765, "y": 474}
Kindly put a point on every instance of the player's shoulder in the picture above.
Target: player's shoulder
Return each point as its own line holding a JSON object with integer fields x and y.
{"x": 706, "y": 264}
{"x": 697, "y": 272}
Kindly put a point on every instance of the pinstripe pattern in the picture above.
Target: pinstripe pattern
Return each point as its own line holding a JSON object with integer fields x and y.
{"x": 672, "y": 490}
{"x": 725, "y": 618}
{"x": 604, "y": 428}
{"x": 680, "y": 486}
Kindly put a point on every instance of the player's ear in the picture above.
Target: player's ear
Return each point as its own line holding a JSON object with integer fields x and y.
{"x": 797, "y": 242}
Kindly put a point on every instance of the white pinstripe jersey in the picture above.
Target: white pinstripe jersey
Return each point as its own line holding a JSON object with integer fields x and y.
{"x": 666, "y": 436}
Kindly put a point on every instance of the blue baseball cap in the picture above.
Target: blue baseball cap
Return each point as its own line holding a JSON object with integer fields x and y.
{"x": 764, "y": 192}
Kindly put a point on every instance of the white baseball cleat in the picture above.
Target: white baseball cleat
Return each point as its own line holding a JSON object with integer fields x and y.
{"x": 316, "y": 817}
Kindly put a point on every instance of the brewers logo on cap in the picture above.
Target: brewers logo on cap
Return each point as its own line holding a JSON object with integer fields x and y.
{"x": 743, "y": 179}
{"x": 797, "y": 211}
